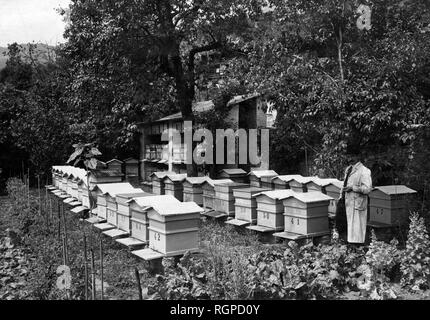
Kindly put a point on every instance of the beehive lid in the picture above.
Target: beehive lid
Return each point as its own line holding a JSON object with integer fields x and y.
{"x": 395, "y": 189}
{"x": 263, "y": 173}
{"x": 336, "y": 183}
{"x": 230, "y": 186}
{"x": 106, "y": 173}
{"x": 233, "y": 172}
{"x": 309, "y": 197}
{"x": 144, "y": 202}
{"x": 161, "y": 174}
{"x": 253, "y": 190}
{"x": 196, "y": 180}
{"x": 131, "y": 161}
{"x": 113, "y": 161}
{"x": 304, "y": 180}
{"x": 276, "y": 194}
{"x": 172, "y": 209}
{"x": 287, "y": 178}
{"x": 325, "y": 182}
{"x": 214, "y": 182}
{"x": 134, "y": 195}
{"x": 176, "y": 177}
{"x": 113, "y": 189}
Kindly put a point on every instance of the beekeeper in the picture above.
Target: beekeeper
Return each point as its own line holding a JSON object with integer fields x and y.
{"x": 358, "y": 186}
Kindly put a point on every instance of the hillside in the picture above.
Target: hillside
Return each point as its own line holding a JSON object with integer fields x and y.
{"x": 43, "y": 53}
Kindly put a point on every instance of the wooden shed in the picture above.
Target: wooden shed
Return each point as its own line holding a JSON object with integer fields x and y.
{"x": 389, "y": 205}
{"x": 256, "y": 176}
{"x": 224, "y": 199}
{"x": 174, "y": 227}
{"x": 193, "y": 189}
{"x": 283, "y": 182}
{"x": 245, "y": 206}
{"x": 270, "y": 210}
{"x": 139, "y": 208}
{"x": 306, "y": 215}
{"x": 158, "y": 181}
{"x": 208, "y": 188}
{"x": 236, "y": 174}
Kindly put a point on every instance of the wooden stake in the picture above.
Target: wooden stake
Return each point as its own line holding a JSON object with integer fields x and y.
{"x": 101, "y": 267}
{"x": 93, "y": 276}
{"x": 139, "y": 286}
{"x": 64, "y": 225}
{"x": 86, "y": 267}
{"x": 59, "y": 219}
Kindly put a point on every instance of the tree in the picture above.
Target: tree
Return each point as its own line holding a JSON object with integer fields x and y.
{"x": 143, "y": 54}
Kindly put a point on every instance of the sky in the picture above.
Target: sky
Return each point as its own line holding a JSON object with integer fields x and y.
{"x": 24, "y": 21}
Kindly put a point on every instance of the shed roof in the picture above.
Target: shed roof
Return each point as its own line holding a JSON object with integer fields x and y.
{"x": 395, "y": 189}
{"x": 263, "y": 173}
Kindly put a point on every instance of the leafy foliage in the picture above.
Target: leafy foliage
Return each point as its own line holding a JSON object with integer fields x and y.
{"x": 415, "y": 262}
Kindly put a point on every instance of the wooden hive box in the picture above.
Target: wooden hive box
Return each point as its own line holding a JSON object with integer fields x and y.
{"x": 132, "y": 170}
{"x": 158, "y": 182}
{"x": 193, "y": 189}
{"x": 75, "y": 188}
{"x": 173, "y": 185}
{"x": 389, "y": 205}
{"x": 174, "y": 227}
{"x": 224, "y": 199}
{"x": 256, "y": 176}
{"x": 101, "y": 191}
{"x": 267, "y": 182}
{"x": 111, "y": 203}
{"x": 270, "y": 209}
{"x": 105, "y": 176}
{"x": 245, "y": 204}
{"x": 332, "y": 189}
{"x": 123, "y": 201}
{"x": 114, "y": 165}
{"x": 306, "y": 214}
{"x": 298, "y": 184}
{"x": 237, "y": 175}
{"x": 208, "y": 188}
{"x": 63, "y": 185}
{"x": 139, "y": 208}
{"x": 283, "y": 182}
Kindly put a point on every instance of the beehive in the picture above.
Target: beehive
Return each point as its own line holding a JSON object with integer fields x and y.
{"x": 306, "y": 213}
{"x": 389, "y": 205}
{"x": 114, "y": 165}
{"x": 224, "y": 199}
{"x": 102, "y": 190}
{"x": 132, "y": 170}
{"x": 173, "y": 185}
{"x": 208, "y": 188}
{"x": 267, "y": 182}
{"x": 298, "y": 184}
{"x": 139, "y": 208}
{"x": 193, "y": 189}
{"x": 105, "y": 176}
{"x": 123, "y": 209}
{"x": 319, "y": 184}
{"x": 174, "y": 227}
{"x": 256, "y": 177}
{"x": 111, "y": 204}
{"x": 158, "y": 183}
{"x": 283, "y": 182}
{"x": 270, "y": 208}
{"x": 245, "y": 204}
{"x": 75, "y": 188}
{"x": 63, "y": 185}
{"x": 237, "y": 175}
{"x": 333, "y": 190}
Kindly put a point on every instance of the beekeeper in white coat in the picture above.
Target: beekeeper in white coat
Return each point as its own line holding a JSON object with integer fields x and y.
{"x": 358, "y": 187}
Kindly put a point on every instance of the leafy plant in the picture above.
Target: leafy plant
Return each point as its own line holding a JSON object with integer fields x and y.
{"x": 415, "y": 260}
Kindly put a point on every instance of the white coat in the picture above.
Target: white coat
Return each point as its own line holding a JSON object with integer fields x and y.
{"x": 360, "y": 181}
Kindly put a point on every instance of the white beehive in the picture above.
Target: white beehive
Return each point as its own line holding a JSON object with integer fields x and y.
{"x": 208, "y": 188}
{"x": 114, "y": 165}
{"x": 139, "y": 208}
{"x": 333, "y": 190}
{"x": 235, "y": 174}
{"x": 193, "y": 189}
{"x": 102, "y": 190}
{"x": 389, "y": 205}
{"x": 173, "y": 185}
{"x": 124, "y": 210}
{"x": 270, "y": 209}
{"x": 306, "y": 214}
{"x": 283, "y": 182}
{"x": 174, "y": 227}
{"x": 224, "y": 199}
{"x": 157, "y": 181}
{"x": 256, "y": 177}
{"x": 298, "y": 184}
{"x": 246, "y": 204}
{"x": 111, "y": 203}
{"x": 104, "y": 177}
